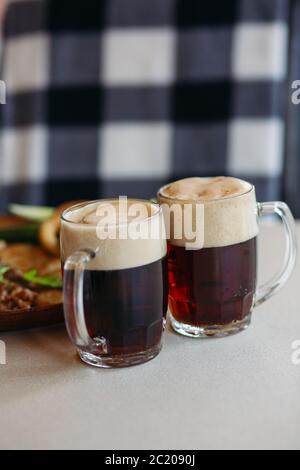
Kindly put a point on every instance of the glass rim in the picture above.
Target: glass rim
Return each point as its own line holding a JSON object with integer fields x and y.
{"x": 156, "y": 205}
{"x": 202, "y": 201}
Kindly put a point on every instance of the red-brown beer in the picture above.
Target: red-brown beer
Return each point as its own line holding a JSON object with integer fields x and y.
{"x": 212, "y": 281}
{"x": 212, "y": 286}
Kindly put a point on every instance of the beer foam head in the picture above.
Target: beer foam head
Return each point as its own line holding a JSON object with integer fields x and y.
{"x": 123, "y": 233}
{"x": 111, "y": 212}
{"x": 206, "y": 189}
{"x": 229, "y": 208}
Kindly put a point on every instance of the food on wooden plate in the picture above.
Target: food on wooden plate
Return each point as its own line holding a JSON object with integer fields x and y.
{"x": 16, "y": 229}
{"x": 34, "y": 224}
{"x": 29, "y": 277}
{"x": 49, "y": 235}
{"x": 30, "y": 271}
{"x": 49, "y": 230}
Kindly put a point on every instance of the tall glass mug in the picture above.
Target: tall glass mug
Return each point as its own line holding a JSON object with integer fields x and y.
{"x": 115, "y": 280}
{"x": 213, "y": 275}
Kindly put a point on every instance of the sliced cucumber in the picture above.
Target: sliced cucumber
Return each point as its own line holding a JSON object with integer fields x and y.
{"x": 35, "y": 213}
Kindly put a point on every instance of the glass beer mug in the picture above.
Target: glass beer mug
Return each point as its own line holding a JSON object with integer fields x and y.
{"x": 213, "y": 284}
{"x": 115, "y": 280}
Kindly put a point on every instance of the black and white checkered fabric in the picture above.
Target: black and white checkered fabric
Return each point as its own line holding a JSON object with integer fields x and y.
{"x": 109, "y": 97}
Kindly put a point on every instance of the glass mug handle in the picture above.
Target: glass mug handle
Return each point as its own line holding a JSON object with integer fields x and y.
{"x": 270, "y": 288}
{"x": 74, "y": 305}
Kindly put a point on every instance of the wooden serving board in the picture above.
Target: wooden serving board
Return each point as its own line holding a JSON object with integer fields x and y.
{"x": 33, "y": 318}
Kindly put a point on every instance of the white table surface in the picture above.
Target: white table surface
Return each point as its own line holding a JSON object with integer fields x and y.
{"x": 240, "y": 392}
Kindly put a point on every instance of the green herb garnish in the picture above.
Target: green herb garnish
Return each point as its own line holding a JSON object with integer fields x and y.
{"x": 47, "y": 281}
{"x": 20, "y": 234}
{"x": 3, "y": 270}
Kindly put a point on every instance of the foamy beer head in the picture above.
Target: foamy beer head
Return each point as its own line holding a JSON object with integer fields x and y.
{"x": 227, "y": 212}
{"x": 123, "y": 233}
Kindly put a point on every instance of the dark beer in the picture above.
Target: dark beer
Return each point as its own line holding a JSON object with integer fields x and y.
{"x": 115, "y": 280}
{"x": 212, "y": 286}
{"x": 126, "y": 307}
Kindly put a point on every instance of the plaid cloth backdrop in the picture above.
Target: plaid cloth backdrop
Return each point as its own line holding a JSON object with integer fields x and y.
{"x": 292, "y": 160}
{"x": 109, "y": 97}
